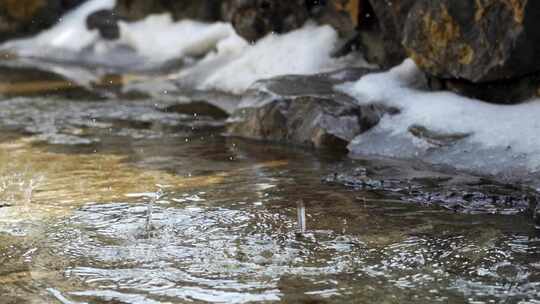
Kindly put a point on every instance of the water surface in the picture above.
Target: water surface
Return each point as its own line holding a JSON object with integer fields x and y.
{"x": 76, "y": 176}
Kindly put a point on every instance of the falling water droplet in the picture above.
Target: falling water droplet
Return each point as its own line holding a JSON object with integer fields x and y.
{"x": 157, "y": 195}
{"x": 301, "y": 221}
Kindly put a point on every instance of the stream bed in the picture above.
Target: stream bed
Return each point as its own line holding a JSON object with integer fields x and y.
{"x": 77, "y": 176}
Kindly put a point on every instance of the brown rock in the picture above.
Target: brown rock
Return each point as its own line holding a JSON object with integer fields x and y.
{"x": 479, "y": 41}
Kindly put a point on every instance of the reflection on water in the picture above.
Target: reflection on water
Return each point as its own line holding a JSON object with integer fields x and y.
{"x": 122, "y": 202}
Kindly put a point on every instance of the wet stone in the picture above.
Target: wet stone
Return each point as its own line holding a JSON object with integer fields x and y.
{"x": 305, "y": 111}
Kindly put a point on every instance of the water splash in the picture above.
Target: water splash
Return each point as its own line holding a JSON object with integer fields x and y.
{"x": 30, "y": 186}
{"x": 18, "y": 186}
{"x": 149, "y": 207}
{"x": 154, "y": 197}
{"x": 301, "y": 221}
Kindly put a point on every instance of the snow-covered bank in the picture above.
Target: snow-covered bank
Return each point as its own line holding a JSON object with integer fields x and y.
{"x": 304, "y": 51}
{"x": 214, "y": 56}
{"x": 70, "y": 34}
{"x": 498, "y": 139}
{"x": 146, "y": 43}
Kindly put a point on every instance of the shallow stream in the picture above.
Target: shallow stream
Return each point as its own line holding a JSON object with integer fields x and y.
{"x": 77, "y": 177}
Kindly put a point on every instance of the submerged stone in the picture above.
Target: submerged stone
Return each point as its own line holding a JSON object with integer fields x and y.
{"x": 304, "y": 110}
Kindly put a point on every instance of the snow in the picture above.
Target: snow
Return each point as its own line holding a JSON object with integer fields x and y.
{"x": 304, "y": 51}
{"x": 228, "y": 62}
{"x": 502, "y": 137}
{"x": 159, "y": 38}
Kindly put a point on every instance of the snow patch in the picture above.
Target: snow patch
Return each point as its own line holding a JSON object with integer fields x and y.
{"x": 159, "y": 38}
{"x": 228, "y": 62}
{"x": 304, "y": 51}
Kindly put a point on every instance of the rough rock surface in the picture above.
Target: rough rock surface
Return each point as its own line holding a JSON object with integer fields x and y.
{"x": 479, "y": 41}
{"x": 204, "y": 10}
{"x": 484, "y": 49}
{"x": 305, "y": 111}
{"x": 20, "y": 18}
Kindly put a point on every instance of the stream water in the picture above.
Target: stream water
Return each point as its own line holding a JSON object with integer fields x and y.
{"x": 237, "y": 221}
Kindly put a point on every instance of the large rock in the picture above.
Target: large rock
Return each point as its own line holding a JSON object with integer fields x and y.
{"x": 204, "y": 10}
{"x": 19, "y": 18}
{"x": 478, "y": 41}
{"x": 305, "y": 111}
